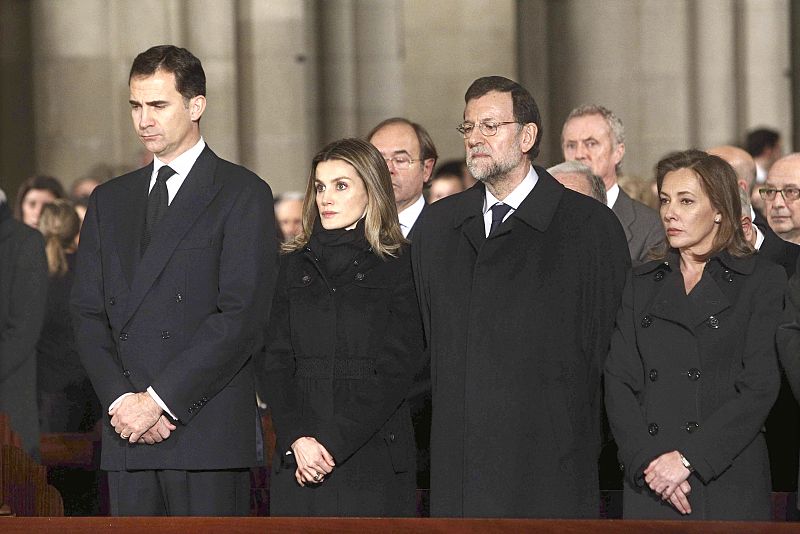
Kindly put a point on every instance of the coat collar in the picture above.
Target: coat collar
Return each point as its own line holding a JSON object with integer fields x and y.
{"x": 196, "y": 193}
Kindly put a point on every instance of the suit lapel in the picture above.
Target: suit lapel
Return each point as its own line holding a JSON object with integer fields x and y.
{"x": 193, "y": 197}
{"x": 468, "y": 215}
{"x": 623, "y": 208}
{"x": 131, "y": 212}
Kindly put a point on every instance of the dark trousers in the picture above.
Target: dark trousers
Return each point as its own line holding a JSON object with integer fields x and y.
{"x": 170, "y": 492}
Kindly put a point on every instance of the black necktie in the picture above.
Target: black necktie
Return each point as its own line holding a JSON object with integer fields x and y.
{"x": 157, "y": 203}
{"x": 499, "y": 211}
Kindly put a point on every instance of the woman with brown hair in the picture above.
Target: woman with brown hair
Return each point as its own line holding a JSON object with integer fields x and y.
{"x": 34, "y": 193}
{"x": 692, "y": 371}
{"x": 343, "y": 345}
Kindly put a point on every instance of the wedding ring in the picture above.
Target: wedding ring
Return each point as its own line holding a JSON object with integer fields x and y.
{"x": 123, "y": 436}
{"x": 317, "y": 476}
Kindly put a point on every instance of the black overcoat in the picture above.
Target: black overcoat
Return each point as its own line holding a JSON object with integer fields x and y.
{"x": 23, "y": 297}
{"x": 518, "y": 328}
{"x": 341, "y": 356}
{"x": 697, "y": 373}
{"x": 185, "y": 317}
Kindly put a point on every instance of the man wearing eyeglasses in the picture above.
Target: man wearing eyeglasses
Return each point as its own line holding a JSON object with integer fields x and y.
{"x": 410, "y": 155}
{"x": 780, "y": 193}
{"x": 519, "y": 281}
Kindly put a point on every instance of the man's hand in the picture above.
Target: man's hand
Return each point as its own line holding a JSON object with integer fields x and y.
{"x": 665, "y": 474}
{"x": 679, "y": 498}
{"x": 313, "y": 461}
{"x": 158, "y": 432}
{"x": 134, "y": 415}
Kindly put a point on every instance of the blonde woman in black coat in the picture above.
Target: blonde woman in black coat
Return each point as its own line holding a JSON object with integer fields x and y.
{"x": 343, "y": 345}
{"x": 692, "y": 371}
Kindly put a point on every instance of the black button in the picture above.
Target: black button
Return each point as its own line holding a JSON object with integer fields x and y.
{"x": 355, "y": 262}
{"x": 178, "y": 297}
{"x": 306, "y": 279}
{"x": 126, "y": 373}
{"x": 191, "y": 409}
{"x": 646, "y": 321}
{"x": 726, "y": 274}
{"x": 691, "y": 426}
{"x": 165, "y": 334}
{"x": 621, "y": 466}
{"x": 204, "y": 399}
{"x": 693, "y": 374}
{"x": 659, "y": 276}
{"x": 359, "y": 276}
{"x": 333, "y": 289}
{"x": 112, "y": 301}
{"x": 123, "y": 336}
{"x": 713, "y": 322}
{"x": 653, "y": 375}
{"x": 392, "y": 437}
{"x": 652, "y": 428}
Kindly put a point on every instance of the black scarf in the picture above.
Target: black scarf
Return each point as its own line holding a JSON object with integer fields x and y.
{"x": 336, "y": 249}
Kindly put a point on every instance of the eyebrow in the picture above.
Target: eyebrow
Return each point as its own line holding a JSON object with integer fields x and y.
{"x": 151, "y": 103}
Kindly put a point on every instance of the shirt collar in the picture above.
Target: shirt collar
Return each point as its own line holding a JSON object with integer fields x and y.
{"x": 409, "y": 215}
{"x": 611, "y": 195}
{"x": 515, "y": 198}
{"x": 183, "y": 163}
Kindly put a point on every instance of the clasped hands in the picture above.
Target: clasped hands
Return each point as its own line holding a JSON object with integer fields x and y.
{"x": 313, "y": 461}
{"x": 666, "y": 475}
{"x": 139, "y": 419}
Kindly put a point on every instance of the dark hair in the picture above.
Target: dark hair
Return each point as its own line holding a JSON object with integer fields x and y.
{"x": 757, "y": 141}
{"x": 718, "y": 180}
{"x": 47, "y": 183}
{"x": 427, "y": 150}
{"x": 451, "y": 166}
{"x": 525, "y": 108}
{"x": 190, "y": 79}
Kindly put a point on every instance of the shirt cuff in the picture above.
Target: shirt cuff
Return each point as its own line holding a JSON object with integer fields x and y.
{"x": 119, "y": 399}
{"x": 160, "y": 402}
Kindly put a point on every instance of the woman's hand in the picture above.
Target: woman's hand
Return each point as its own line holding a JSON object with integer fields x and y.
{"x": 313, "y": 461}
{"x": 665, "y": 475}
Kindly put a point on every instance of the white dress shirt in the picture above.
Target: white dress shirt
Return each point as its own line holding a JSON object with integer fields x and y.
{"x": 612, "y": 195}
{"x": 410, "y": 215}
{"x": 513, "y": 200}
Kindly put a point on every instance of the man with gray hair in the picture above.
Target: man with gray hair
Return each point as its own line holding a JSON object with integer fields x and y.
{"x": 595, "y": 136}
{"x": 579, "y": 177}
{"x": 289, "y": 214}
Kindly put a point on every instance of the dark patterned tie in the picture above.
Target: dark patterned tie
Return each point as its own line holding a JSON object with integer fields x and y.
{"x": 157, "y": 203}
{"x": 498, "y": 212}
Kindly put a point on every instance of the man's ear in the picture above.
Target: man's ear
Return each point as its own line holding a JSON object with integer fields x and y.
{"x": 197, "y": 105}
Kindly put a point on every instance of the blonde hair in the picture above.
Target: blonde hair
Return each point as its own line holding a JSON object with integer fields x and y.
{"x": 381, "y": 225}
{"x": 59, "y": 224}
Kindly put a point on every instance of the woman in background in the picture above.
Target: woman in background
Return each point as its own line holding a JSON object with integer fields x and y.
{"x": 344, "y": 342}
{"x": 34, "y": 193}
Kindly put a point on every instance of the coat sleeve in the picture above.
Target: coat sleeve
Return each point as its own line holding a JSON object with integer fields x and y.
{"x": 26, "y": 306}
{"x": 357, "y": 418}
{"x": 624, "y": 385}
{"x": 93, "y": 336}
{"x": 224, "y": 342}
{"x": 788, "y": 337}
{"x": 726, "y": 432}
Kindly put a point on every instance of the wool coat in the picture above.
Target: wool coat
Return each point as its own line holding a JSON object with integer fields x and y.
{"x": 185, "y": 317}
{"x": 23, "y": 298}
{"x": 697, "y": 373}
{"x": 341, "y": 354}
{"x": 518, "y": 326}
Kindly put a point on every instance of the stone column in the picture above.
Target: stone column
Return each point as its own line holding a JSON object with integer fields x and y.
{"x": 337, "y": 67}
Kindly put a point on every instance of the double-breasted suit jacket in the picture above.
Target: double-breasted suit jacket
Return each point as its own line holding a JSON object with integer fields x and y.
{"x": 698, "y": 374}
{"x": 185, "y": 317}
{"x": 341, "y": 355}
{"x": 643, "y": 229}
{"x": 518, "y": 326}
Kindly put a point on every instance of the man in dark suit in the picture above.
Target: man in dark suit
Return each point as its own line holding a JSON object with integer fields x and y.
{"x": 519, "y": 279}
{"x": 594, "y": 135}
{"x": 23, "y": 297}
{"x": 175, "y": 271}
{"x": 411, "y": 156}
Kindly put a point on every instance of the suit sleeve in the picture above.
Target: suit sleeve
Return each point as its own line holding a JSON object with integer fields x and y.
{"x": 26, "y": 309}
{"x": 226, "y": 340}
{"x": 93, "y": 336}
{"x": 727, "y": 431}
{"x": 653, "y": 238}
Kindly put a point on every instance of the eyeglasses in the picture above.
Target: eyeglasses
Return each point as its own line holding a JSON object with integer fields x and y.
{"x": 400, "y": 163}
{"x": 789, "y": 193}
{"x": 487, "y": 128}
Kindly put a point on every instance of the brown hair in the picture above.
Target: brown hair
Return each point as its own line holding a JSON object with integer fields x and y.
{"x": 718, "y": 180}
{"x": 47, "y": 183}
{"x": 382, "y": 227}
{"x": 59, "y": 224}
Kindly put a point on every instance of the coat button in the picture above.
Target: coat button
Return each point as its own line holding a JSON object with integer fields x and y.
{"x": 713, "y": 322}
{"x": 333, "y": 289}
{"x": 653, "y": 375}
{"x": 355, "y": 262}
{"x": 306, "y": 279}
{"x": 693, "y": 374}
{"x": 112, "y": 301}
{"x": 652, "y": 429}
{"x": 726, "y": 274}
{"x": 126, "y": 373}
{"x": 165, "y": 334}
{"x": 359, "y": 276}
{"x": 659, "y": 276}
{"x": 691, "y": 426}
{"x": 178, "y": 297}
{"x": 123, "y": 336}
{"x": 191, "y": 409}
{"x": 647, "y": 321}
{"x": 392, "y": 437}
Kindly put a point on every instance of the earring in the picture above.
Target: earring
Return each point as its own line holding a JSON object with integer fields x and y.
{"x": 717, "y": 219}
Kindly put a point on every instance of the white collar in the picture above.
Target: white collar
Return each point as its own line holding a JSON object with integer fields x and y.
{"x": 410, "y": 215}
{"x": 515, "y": 198}
{"x": 183, "y": 163}
{"x": 611, "y": 195}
